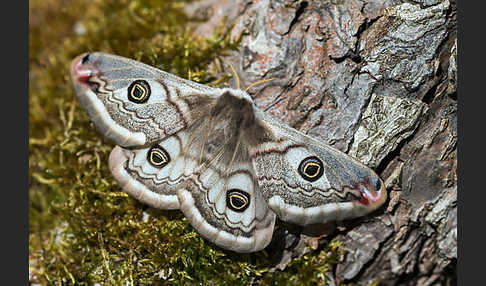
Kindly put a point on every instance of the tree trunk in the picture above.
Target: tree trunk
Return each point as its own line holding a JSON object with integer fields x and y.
{"x": 375, "y": 79}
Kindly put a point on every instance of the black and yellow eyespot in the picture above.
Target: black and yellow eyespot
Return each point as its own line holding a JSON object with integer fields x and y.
{"x": 311, "y": 168}
{"x": 139, "y": 91}
{"x": 158, "y": 157}
{"x": 237, "y": 200}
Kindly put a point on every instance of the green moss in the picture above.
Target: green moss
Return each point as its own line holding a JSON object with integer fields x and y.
{"x": 83, "y": 229}
{"x": 309, "y": 269}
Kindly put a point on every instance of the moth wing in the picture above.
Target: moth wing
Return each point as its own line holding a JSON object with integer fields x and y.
{"x": 208, "y": 176}
{"x": 169, "y": 156}
{"x": 221, "y": 200}
{"x": 305, "y": 181}
{"x": 154, "y": 174}
{"x": 134, "y": 104}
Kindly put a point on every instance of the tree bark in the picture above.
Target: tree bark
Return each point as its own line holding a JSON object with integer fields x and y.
{"x": 375, "y": 79}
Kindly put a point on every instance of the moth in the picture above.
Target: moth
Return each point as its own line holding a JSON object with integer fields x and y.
{"x": 211, "y": 153}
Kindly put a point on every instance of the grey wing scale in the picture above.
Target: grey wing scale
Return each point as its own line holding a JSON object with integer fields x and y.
{"x": 306, "y": 182}
{"x": 153, "y": 174}
{"x": 112, "y": 88}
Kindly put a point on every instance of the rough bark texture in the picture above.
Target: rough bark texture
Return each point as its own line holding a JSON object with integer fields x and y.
{"x": 376, "y": 79}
